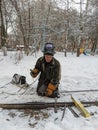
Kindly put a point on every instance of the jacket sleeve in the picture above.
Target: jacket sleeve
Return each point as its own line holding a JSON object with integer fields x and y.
{"x": 38, "y": 64}
{"x": 56, "y": 73}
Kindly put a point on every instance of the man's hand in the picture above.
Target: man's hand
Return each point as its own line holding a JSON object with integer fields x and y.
{"x": 34, "y": 72}
{"x": 50, "y": 89}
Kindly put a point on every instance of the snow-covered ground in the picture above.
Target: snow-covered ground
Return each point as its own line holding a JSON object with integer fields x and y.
{"x": 78, "y": 73}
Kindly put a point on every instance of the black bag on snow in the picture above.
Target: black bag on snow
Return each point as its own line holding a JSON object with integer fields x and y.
{"x": 18, "y": 79}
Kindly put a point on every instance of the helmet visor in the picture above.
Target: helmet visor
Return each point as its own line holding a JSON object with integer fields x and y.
{"x": 49, "y": 46}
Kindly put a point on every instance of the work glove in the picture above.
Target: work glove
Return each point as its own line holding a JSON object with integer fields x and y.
{"x": 50, "y": 89}
{"x": 34, "y": 72}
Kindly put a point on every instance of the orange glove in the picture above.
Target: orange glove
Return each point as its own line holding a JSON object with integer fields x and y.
{"x": 34, "y": 72}
{"x": 50, "y": 89}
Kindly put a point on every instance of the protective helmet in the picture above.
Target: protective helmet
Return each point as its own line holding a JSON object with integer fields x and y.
{"x": 49, "y": 49}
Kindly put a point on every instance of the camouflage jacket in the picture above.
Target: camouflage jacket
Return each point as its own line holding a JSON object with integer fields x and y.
{"x": 49, "y": 72}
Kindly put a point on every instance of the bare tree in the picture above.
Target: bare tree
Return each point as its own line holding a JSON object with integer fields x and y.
{"x": 40, "y": 21}
{"x": 3, "y": 31}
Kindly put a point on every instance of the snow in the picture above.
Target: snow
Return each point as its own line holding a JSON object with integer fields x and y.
{"x": 78, "y": 73}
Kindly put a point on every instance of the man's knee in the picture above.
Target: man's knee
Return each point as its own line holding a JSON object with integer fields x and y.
{"x": 41, "y": 90}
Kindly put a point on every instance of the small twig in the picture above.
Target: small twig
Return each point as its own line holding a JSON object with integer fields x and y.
{"x": 73, "y": 112}
{"x": 29, "y": 86}
{"x": 5, "y": 85}
{"x": 63, "y": 112}
{"x": 55, "y": 105}
{"x": 24, "y": 86}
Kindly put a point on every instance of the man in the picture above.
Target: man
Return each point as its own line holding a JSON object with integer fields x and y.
{"x": 50, "y": 73}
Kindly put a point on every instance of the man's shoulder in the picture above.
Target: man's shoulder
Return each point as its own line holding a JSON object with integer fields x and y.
{"x": 56, "y": 61}
{"x": 40, "y": 58}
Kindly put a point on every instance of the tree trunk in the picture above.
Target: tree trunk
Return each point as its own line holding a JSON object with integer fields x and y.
{"x": 3, "y": 32}
{"x": 4, "y": 49}
{"x": 78, "y": 51}
{"x": 93, "y": 47}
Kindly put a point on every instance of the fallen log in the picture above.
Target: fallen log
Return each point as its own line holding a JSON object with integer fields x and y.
{"x": 34, "y": 105}
{"x": 42, "y": 105}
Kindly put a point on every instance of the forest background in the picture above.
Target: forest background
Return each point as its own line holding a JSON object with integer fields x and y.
{"x": 69, "y": 24}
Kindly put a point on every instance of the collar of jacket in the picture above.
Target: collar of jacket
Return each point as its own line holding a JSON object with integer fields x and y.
{"x": 51, "y": 62}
